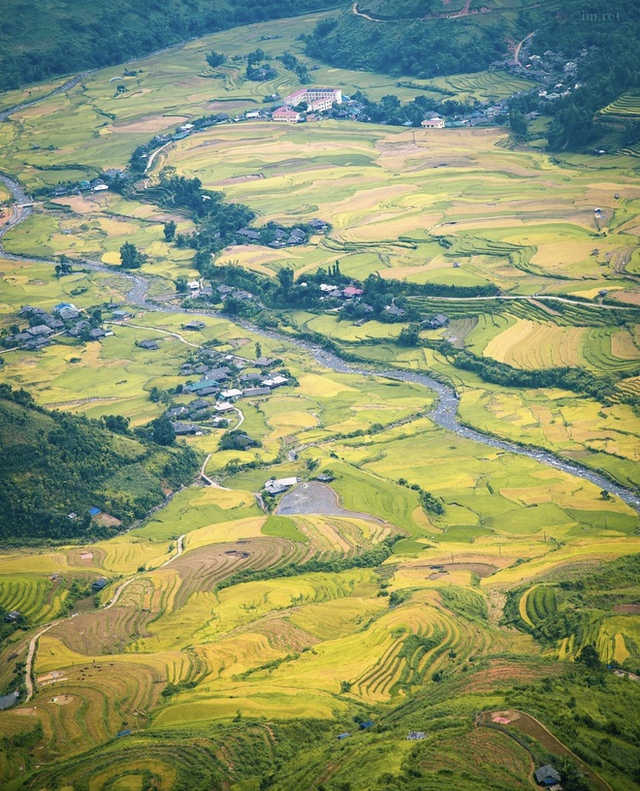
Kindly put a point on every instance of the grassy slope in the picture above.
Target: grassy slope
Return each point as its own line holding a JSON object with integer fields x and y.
{"x": 54, "y": 463}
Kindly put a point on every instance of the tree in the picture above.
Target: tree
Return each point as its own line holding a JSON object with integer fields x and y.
{"x": 215, "y": 59}
{"x": 169, "y": 231}
{"x": 116, "y": 423}
{"x": 255, "y": 57}
{"x": 154, "y": 394}
{"x": 258, "y": 350}
{"x": 63, "y": 267}
{"x": 162, "y": 431}
{"x": 604, "y": 495}
{"x": 285, "y": 278}
{"x": 130, "y": 257}
{"x": 181, "y": 285}
{"x": 572, "y": 779}
{"x": 518, "y": 123}
{"x": 590, "y": 658}
{"x": 409, "y": 336}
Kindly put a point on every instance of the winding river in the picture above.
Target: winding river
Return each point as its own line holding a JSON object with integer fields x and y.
{"x": 444, "y": 414}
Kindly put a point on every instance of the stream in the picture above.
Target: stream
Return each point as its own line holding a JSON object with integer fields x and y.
{"x": 444, "y": 414}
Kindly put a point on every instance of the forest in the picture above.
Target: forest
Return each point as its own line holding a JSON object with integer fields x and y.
{"x": 53, "y": 464}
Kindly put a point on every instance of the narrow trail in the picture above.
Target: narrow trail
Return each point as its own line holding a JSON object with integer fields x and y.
{"x": 124, "y": 585}
{"x": 33, "y": 645}
{"x": 445, "y": 414}
{"x": 520, "y": 44}
{"x": 151, "y": 159}
{"x": 155, "y": 329}
{"x": 210, "y": 481}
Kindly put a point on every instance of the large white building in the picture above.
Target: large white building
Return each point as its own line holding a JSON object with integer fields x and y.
{"x": 317, "y": 99}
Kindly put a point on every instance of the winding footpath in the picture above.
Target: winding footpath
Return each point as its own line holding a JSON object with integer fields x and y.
{"x": 445, "y": 413}
{"x": 28, "y": 673}
{"x": 120, "y": 588}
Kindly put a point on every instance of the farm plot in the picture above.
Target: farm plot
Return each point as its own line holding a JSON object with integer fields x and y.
{"x": 626, "y": 106}
{"x": 530, "y": 345}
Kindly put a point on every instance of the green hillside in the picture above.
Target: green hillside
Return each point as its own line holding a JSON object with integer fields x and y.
{"x": 44, "y": 38}
{"x": 400, "y": 40}
{"x": 53, "y": 464}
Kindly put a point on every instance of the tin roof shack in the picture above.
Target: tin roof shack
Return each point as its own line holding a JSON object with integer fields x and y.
{"x": 98, "y": 585}
{"x": 547, "y": 776}
{"x": 280, "y": 485}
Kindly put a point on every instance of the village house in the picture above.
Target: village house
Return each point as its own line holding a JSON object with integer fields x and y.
{"x": 40, "y": 330}
{"x": 433, "y": 123}
{"x": 248, "y": 378}
{"x": 249, "y": 392}
{"x": 205, "y": 387}
{"x": 394, "y": 310}
{"x": 284, "y": 115}
{"x": 177, "y": 411}
{"x": 250, "y": 236}
{"x": 98, "y": 585}
{"x": 194, "y": 325}
{"x": 149, "y": 345}
{"x": 186, "y": 429}
{"x": 437, "y": 322}
{"x": 68, "y": 314}
{"x": 274, "y": 381}
{"x": 231, "y": 395}
{"x": 264, "y": 362}
{"x": 547, "y": 776}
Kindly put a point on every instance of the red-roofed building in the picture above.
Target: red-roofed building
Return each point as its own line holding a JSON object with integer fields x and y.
{"x": 350, "y": 292}
{"x": 285, "y": 115}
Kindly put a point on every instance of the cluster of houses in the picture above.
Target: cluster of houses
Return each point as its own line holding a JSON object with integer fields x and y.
{"x": 224, "y": 379}
{"x": 88, "y": 185}
{"x": 64, "y": 319}
{"x": 282, "y": 237}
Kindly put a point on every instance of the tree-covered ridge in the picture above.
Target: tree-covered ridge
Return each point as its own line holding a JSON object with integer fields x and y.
{"x": 43, "y": 39}
{"x": 53, "y": 464}
{"x": 421, "y": 48}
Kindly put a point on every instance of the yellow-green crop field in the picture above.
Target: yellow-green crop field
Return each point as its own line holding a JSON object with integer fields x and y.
{"x": 238, "y": 636}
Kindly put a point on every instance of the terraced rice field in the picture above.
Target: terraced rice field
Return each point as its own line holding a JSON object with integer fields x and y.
{"x": 36, "y": 598}
{"x": 530, "y": 345}
{"x": 625, "y": 106}
{"x": 236, "y": 679}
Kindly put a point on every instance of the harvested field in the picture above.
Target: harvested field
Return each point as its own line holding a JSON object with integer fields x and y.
{"x": 317, "y": 498}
